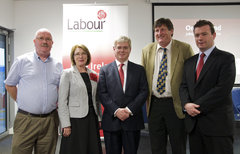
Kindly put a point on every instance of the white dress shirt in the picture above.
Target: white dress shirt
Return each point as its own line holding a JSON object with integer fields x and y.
{"x": 124, "y": 67}
{"x": 158, "y": 58}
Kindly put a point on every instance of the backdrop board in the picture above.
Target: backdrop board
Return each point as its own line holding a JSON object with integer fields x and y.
{"x": 224, "y": 16}
{"x": 96, "y": 26}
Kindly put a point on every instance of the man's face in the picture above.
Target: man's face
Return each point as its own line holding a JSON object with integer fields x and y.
{"x": 122, "y": 51}
{"x": 43, "y": 43}
{"x": 163, "y": 35}
{"x": 204, "y": 38}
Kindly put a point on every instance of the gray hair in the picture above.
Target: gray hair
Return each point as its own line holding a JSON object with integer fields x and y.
{"x": 123, "y": 39}
{"x": 42, "y": 30}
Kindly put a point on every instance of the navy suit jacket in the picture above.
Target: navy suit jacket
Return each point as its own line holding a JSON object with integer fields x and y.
{"x": 212, "y": 91}
{"x": 112, "y": 96}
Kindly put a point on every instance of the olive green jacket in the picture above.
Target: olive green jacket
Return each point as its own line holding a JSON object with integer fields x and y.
{"x": 180, "y": 51}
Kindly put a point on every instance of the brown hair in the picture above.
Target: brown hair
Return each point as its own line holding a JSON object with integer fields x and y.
{"x": 163, "y": 21}
{"x": 201, "y": 23}
{"x": 85, "y": 49}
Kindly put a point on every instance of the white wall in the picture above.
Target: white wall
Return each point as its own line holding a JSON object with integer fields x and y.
{"x": 6, "y": 14}
{"x": 26, "y": 16}
{"x": 35, "y": 14}
{"x": 190, "y": 1}
{"x": 30, "y": 15}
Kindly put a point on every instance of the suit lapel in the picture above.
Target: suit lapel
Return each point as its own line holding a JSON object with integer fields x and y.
{"x": 78, "y": 77}
{"x": 207, "y": 64}
{"x": 116, "y": 74}
{"x": 152, "y": 55}
{"x": 130, "y": 73}
{"x": 174, "y": 57}
{"x": 192, "y": 70}
{"x": 77, "y": 73}
{"x": 93, "y": 83}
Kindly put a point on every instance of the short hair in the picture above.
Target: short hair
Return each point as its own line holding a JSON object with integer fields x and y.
{"x": 123, "y": 39}
{"x": 201, "y": 23}
{"x": 85, "y": 49}
{"x": 163, "y": 21}
{"x": 42, "y": 30}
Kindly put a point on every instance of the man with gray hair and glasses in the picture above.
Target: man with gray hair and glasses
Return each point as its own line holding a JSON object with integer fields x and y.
{"x": 33, "y": 83}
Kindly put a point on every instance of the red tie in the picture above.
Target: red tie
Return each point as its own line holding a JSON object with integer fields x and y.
{"x": 121, "y": 74}
{"x": 200, "y": 65}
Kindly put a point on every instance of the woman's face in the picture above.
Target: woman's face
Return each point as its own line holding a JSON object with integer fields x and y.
{"x": 80, "y": 57}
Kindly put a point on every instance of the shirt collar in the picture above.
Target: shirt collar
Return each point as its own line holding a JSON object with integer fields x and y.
{"x": 49, "y": 59}
{"x": 168, "y": 47}
{"x": 118, "y": 63}
{"x": 208, "y": 51}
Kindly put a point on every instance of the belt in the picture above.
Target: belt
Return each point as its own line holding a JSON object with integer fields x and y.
{"x": 161, "y": 98}
{"x": 35, "y": 115}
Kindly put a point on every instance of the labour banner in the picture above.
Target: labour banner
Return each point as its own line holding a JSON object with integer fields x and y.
{"x": 96, "y": 26}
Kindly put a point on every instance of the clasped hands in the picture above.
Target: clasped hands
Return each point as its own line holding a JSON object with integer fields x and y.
{"x": 191, "y": 109}
{"x": 122, "y": 114}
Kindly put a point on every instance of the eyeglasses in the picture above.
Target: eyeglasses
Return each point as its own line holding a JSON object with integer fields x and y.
{"x": 46, "y": 39}
{"x": 80, "y": 54}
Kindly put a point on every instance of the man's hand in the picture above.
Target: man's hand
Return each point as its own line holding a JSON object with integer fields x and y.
{"x": 122, "y": 114}
{"x": 191, "y": 109}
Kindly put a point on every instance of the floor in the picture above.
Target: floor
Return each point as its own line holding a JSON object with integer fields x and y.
{"x": 144, "y": 147}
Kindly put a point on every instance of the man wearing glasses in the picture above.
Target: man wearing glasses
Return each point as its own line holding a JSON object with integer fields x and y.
{"x": 33, "y": 83}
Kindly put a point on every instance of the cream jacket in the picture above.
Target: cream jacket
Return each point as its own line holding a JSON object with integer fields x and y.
{"x": 73, "y": 96}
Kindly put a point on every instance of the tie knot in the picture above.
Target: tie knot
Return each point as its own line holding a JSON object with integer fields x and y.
{"x": 164, "y": 49}
{"x": 202, "y": 55}
{"x": 121, "y": 65}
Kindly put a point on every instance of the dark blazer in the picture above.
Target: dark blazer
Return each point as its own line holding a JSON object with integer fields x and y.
{"x": 112, "y": 96}
{"x": 212, "y": 91}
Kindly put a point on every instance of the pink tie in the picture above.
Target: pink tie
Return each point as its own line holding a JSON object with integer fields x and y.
{"x": 121, "y": 74}
{"x": 200, "y": 65}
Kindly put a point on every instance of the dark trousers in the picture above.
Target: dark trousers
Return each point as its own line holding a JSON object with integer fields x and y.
{"x": 163, "y": 124}
{"x": 203, "y": 144}
{"x": 115, "y": 141}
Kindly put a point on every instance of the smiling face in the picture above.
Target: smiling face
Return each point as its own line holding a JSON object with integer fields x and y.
{"x": 80, "y": 57}
{"x": 204, "y": 38}
{"x": 163, "y": 35}
{"x": 122, "y": 51}
{"x": 43, "y": 43}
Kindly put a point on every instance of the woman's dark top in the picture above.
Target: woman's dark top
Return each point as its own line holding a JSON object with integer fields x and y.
{"x": 89, "y": 88}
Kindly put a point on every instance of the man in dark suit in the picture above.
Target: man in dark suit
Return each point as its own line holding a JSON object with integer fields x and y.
{"x": 123, "y": 89}
{"x": 206, "y": 94}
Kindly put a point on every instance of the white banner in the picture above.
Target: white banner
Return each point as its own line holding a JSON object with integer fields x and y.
{"x": 97, "y": 27}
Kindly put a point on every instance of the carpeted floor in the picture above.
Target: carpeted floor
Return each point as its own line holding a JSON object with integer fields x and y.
{"x": 144, "y": 147}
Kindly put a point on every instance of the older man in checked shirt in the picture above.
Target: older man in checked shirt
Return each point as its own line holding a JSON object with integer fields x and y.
{"x": 33, "y": 83}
